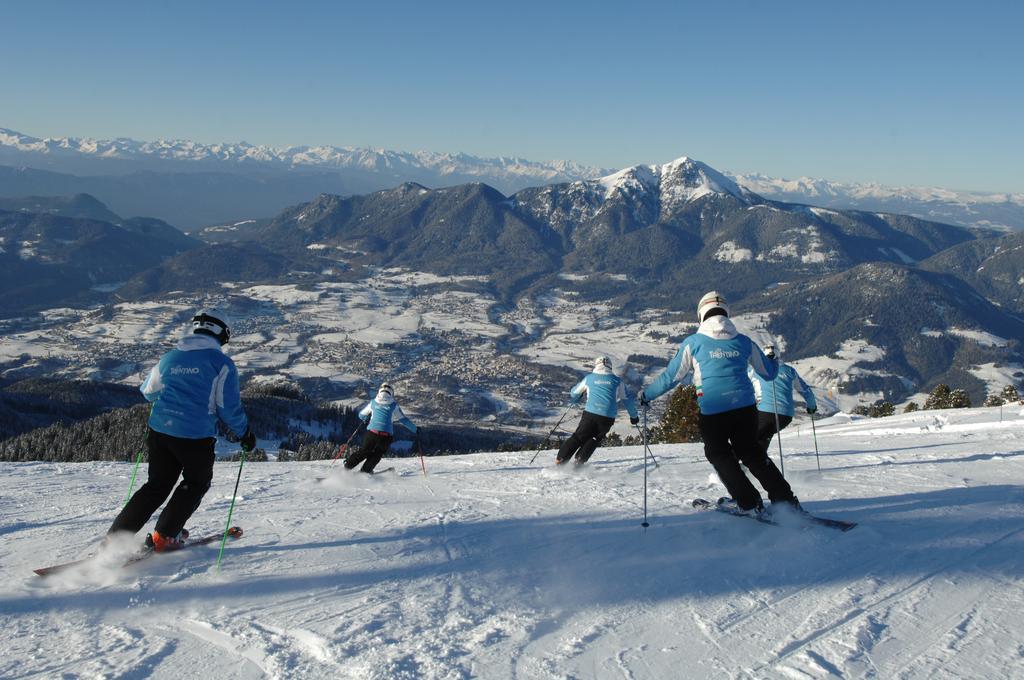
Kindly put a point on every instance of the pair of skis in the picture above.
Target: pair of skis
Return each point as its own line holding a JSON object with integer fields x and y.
{"x": 729, "y": 507}
{"x": 375, "y": 472}
{"x": 234, "y": 533}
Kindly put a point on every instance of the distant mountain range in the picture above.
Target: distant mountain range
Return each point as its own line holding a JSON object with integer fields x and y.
{"x": 192, "y": 185}
{"x": 967, "y": 208}
{"x": 896, "y": 302}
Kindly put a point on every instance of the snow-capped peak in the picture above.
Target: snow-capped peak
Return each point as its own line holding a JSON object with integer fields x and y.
{"x": 678, "y": 181}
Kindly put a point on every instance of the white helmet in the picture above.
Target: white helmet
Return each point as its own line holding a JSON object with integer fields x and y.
{"x": 602, "y": 363}
{"x": 212, "y": 322}
{"x": 712, "y": 300}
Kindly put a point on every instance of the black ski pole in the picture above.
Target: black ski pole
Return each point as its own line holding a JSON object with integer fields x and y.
{"x": 643, "y": 438}
{"x": 543, "y": 443}
{"x": 813, "y": 432}
{"x": 778, "y": 430}
{"x": 645, "y": 523}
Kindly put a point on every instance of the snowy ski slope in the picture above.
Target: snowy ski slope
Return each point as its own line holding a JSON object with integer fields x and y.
{"x": 492, "y": 568}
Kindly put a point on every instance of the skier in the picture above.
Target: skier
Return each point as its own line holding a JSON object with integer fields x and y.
{"x": 192, "y": 386}
{"x": 775, "y": 397}
{"x": 380, "y": 415}
{"x": 718, "y": 355}
{"x": 604, "y": 391}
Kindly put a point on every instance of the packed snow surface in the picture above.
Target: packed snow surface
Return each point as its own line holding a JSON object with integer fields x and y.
{"x": 491, "y": 567}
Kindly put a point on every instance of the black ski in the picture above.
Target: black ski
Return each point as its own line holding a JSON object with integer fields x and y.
{"x": 375, "y": 472}
{"x": 729, "y": 507}
{"x": 142, "y": 553}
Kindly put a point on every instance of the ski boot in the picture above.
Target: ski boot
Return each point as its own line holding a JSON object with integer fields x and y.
{"x": 757, "y": 512}
{"x": 790, "y": 505}
{"x": 166, "y": 543}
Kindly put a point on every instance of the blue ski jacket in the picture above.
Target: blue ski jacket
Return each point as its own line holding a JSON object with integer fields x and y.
{"x": 766, "y": 391}
{"x": 604, "y": 391}
{"x": 382, "y": 412}
{"x": 193, "y": 385}
{"x": 717, "y": 355}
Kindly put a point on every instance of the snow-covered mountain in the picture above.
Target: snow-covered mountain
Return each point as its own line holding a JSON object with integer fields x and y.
{"x": 192, "y": 184}
{"x": 969, "y": 208}
{"x": 163, "y": 154}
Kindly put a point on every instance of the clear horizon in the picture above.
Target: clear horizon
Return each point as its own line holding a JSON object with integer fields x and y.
{"x": 921, "y": 94}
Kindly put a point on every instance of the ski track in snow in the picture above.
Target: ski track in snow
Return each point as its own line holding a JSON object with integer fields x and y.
{"x": 493, "y": 568}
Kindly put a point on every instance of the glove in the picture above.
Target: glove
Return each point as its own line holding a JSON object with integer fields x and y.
{"x": 248, "y": 441}
{"x": 644, "y": 401}
{"x": 633, "y": 420}
{"x": 811, "y": 410}
{"x": 769, "y": 351}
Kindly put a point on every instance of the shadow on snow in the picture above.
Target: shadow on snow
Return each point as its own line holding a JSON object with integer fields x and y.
{"x": 576, "y": 561}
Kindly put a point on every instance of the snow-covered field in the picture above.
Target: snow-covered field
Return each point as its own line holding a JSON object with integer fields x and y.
{"x": 493, "y": 568}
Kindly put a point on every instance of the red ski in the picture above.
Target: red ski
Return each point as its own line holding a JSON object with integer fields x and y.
{"x": 143, "y": 553}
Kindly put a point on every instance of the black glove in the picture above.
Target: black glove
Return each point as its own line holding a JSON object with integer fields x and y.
{"x": 633, "y": 420}
{"x": 248, "y": 441}
{"x": 644, "y": 401}
{"x": 811, "y": 410}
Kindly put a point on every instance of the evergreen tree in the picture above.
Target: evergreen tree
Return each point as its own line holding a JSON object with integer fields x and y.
{"x": 679, "y": 424}
{"x": 993, "y": 400}
{"x": 959, "y": 399}
{"x": 939, "y": 398}
{"x": 882, "y": 409}
{"x": 1010, "y": 394}
{"x": 911, "y": 407}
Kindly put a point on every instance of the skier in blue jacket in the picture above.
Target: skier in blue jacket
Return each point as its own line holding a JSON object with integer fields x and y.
{"x": 717, "y": 356}
{"x": 191, "y": 387}
{"x": 604, "y": 391}
{"x": 776, "y": 397}
{"x": 379, "y": 415}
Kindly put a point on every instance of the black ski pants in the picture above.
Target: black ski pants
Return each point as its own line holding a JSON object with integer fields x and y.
{"x": 588, "y": 436}
{"x": 375, "y": 445}
{"x": 169, "y": 457}
{"x": 730, "y": 438}
{"x": 766, "y": 429}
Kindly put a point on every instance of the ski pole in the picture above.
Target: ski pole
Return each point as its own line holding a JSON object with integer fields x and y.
{"x": 231, "y": 510}
{"x": 541, "y": 447}
{"x": 344, "y": 447}
{"x": 778, "y": 430}
{"x": 131, "y": 484}
{"x": 643, "y": 438}
{"x": 645, "y": 523}
{"x": 813, "y": 432}
{"x": 135, "y": 470}
{"x": 419, "y": 446}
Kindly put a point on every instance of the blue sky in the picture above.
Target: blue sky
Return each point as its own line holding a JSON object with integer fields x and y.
{"x": 926, "y": 93}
